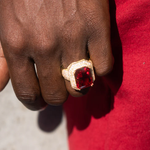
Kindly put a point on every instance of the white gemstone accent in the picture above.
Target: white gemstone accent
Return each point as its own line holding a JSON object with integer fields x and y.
{"x": 65, "y": 74}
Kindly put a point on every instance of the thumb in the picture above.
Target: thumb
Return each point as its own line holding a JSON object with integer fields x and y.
{"x": 4, "y": 74}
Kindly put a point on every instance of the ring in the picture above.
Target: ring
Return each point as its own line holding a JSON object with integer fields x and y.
{"x": 80, "y": 74}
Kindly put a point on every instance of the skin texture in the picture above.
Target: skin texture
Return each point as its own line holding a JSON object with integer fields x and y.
{"x": 4, "y": 75}
{"x": 51, "y": 34}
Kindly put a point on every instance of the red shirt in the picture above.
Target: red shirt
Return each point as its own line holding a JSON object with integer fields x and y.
{"x": 115, "y": 114}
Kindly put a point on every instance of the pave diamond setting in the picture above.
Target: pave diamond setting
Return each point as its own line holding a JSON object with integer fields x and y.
{"x": 84, "y": 74}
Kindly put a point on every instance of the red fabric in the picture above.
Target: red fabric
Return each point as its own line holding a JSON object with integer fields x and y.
{"x": 115, "y": 115}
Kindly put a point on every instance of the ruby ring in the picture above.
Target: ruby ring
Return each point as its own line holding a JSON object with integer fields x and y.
{"x": 80, "y": 74}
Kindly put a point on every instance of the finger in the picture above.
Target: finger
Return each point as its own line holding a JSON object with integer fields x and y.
{"x": 51, "y": 81}
{"x": 74, "y": 49}
{"x": 99, "y": 44}
{"x": 24, "y": 81}
{"x": 101, "y": 55}
{"x": 4, "y": 74}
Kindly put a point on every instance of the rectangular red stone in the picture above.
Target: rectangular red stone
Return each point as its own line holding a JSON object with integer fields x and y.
{"x": 83, "y": 77}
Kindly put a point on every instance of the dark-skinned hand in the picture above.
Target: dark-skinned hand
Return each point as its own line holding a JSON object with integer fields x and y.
{"x": 51, "y": 34}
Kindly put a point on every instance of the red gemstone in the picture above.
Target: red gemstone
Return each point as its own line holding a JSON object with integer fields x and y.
{"x": 83, "y": 78}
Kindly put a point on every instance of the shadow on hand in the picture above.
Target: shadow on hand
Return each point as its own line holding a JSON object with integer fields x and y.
{"x": 50, "y": 118}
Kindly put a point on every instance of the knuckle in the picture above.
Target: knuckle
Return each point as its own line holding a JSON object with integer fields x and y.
{"x": 27, "y": 98}
{"x": 55, "y": 99}
{"x": 44, "y": 46}
{"x": 15, "y": 42}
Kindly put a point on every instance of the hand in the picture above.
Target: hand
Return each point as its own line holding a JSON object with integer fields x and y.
{"x": 52, "y": 34}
